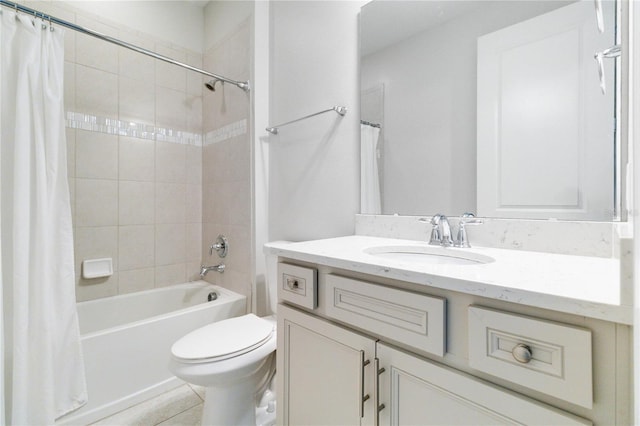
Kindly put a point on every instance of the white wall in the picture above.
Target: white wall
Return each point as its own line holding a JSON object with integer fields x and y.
{"x": 260, "y": 152}
{"x": 177, "y": 22}
{"x": 314, "y": 165}
{"x": 222, "y": 18}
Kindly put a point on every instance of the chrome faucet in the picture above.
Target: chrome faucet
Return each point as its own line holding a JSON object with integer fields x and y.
{"x": 440, "y": 231}
{"x": 205, "y": 269}
{"x": 467, "y": 219}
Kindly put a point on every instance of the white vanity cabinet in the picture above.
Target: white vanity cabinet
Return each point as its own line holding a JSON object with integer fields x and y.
{"x": 325, "y": 372}
{"x": 415, "y": 391}
{"x": 375, "y": 351}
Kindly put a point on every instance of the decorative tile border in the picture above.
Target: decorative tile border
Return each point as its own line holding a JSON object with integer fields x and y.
{"x": 78, "y": 120}
{"x": 226, "y": 132}
{"x": 112, "y": 126}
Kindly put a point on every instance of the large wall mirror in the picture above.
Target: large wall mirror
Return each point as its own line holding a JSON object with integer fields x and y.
{"x": 501, "y": 108}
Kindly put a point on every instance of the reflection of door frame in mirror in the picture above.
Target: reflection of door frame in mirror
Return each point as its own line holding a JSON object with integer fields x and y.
{"x": 535, "y": 160}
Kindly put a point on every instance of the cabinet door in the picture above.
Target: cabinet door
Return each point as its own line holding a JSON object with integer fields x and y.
{"x": 325, "y": 372}
{"x": 415, "y": 391}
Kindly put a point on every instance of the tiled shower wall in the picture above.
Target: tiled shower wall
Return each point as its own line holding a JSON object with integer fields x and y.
{"x": 134, "y": 134}
{"x": 227, "y": 162}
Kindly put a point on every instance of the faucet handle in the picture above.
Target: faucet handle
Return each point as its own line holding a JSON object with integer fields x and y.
{"x": 436, "y": 236}
{"x": 221, "y": 246}
{"x": 466, "y": 219}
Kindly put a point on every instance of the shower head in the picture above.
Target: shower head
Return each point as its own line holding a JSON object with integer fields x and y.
{"x": 211, "y": 85}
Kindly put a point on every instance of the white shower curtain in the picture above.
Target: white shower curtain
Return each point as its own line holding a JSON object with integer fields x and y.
{"x": 43, "y": 366}
{"x": 369, "y": 175}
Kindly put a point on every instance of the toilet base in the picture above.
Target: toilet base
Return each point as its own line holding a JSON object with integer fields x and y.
{"x": 235, "y": 403}
{"x": 232, "y": 405}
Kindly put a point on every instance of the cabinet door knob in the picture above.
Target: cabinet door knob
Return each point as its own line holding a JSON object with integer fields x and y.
{"x": 521, "y": 353}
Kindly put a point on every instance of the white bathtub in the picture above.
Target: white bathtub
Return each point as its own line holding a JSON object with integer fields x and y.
{"x": 126, "y": 342}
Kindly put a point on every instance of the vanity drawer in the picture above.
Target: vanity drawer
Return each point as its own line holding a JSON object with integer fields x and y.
{"x": 545, "y": 356}
{"x": 298, "y": 285}
{"x": 409, "y": 318}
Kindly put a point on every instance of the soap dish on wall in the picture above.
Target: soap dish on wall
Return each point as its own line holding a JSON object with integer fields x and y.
{"x": 97, "y": 268}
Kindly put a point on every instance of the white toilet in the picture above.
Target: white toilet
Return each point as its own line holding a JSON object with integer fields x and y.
{"x": 235, "y": 360}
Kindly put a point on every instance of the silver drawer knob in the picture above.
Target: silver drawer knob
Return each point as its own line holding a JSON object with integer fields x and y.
{"x": 521, "y": 353}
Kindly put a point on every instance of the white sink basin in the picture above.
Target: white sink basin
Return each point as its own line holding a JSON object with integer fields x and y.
{"x": 429, "y": 255}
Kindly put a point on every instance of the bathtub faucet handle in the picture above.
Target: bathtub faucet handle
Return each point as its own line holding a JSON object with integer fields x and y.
{"x": 221, "y": 246}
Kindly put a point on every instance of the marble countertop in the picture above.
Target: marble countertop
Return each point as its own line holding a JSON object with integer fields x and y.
{"x": 580, "y": 285}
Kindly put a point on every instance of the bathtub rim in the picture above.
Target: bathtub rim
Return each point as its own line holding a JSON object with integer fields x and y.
{"x": 227, "y": 296}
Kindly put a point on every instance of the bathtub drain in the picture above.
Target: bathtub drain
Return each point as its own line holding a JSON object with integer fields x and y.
{"x": 212, "y": 296}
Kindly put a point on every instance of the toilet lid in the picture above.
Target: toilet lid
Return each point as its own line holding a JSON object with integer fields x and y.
{"x": 223, "y": 339}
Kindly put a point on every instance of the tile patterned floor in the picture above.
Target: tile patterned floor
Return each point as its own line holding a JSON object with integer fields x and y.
{"x": 180, "y": 406}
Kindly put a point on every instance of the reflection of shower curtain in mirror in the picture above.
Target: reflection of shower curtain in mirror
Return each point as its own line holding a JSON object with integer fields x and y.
{"x": 369, "y": 176}
{"x": 372, "y": 145}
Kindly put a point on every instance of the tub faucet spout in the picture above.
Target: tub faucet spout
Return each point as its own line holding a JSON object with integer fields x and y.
{"x": 205, "y": 269}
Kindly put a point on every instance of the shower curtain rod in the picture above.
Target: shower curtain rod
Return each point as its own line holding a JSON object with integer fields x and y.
{"x": 244, "y": 85}
{"x": 368, "y": 123}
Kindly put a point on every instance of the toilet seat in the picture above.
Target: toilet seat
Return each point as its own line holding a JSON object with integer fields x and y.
{"x": 223, "y": 340}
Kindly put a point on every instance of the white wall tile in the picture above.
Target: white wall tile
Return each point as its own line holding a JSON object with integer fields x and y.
{"x": 193, "y": 270}
{"x": 137, "y": 100}
{"x": 171, "y": 274}
{"x": 193, "y": 204}
{"x": 193, "y": 242}
{"x": 137, "y": 159}
{"x": 170, "y": 108}
{"x": 96, "y": 155}
{"x": 70, "y": 135}
{"x": 136, "y": 204}
{"x": 136, "y": 280}
{"x": 93, "y": 52}
{"x": 135, "y": 65}
{"x": 210, "y": 207}
{"x": 169, "y": 75}
{"x": 96, "y": 202}
{"x": 170, "y": 202}
{"x": 195, "y": 83}
{"x": 96, "y": 92}
{"x": 136, "y": 247}
{"x": 97, "y": 288}
{"x": 170, "y": 244}
{"x": 194, "y": 113}
{"x": 72, "y": 199}
{"x": 209, "y": 163}
{"x": 194, "y": 164}
{"x": 233, "y": 203}
{"x": 170, "y": 162}
{"x": 69, "y": 86}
